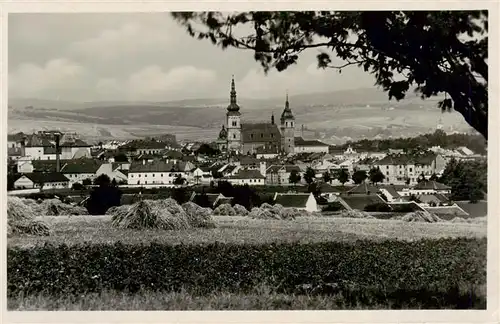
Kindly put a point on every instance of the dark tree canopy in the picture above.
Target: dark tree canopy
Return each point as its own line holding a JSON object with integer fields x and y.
{"x": 376, "y": 175}
{"x": 294, "y": 177}
{"x": 309, "y": 175}
{"x": 343, "y": 176}
{"x": 433, "y": 52}
{"x": 359, "y": 176}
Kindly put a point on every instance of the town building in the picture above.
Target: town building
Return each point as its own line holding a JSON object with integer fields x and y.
{"x": 300, "y": 201}
{"x": 406, "y": 169}
{"x": 310, "y": 146}
{"x": 41, "y": 180}
{"x": 159, "y": 173}
{"x": 244, "y": 138}
{"x": 280, "y": 174}
{"x": 247, "y": 177}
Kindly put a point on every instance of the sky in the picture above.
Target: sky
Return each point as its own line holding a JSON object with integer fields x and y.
{"x": 145, "y": 57}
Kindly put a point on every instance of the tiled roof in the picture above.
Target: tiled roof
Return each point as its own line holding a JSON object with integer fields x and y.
{"x": 267, "y": 149}
{"x": 393, "y": 160}
{"x": 158, "y": 166}
{"x": 292, "y": 200}
{"x": 46, "y": 177}
{"x": 75, "y": 143}
{"x": 447, "y": 212}
{"x": 37, "y": 141}
{"x": 274, "y": 168}
{"x": 247, "y": 174}
{"x": 392, "y": 190}
{"x": 289, "y": 168}
{"x": 81, "y": 166}
{"x": 325, "y": 188}
{"x": 261, "y": 133}
{"x": 142, "y": 144}
{"x": 426, "y": 199}
{"x": 364, "y": 188}
{"x": 47, "y": 165}
{"x": 229, "y": 168}
{"x": 299, "y": 141}
{"x": 14, "y": 151}
{"x": 49, "y": 150}
{"x": 15, "y": 137}
{"x": 359, "y": 202}
{"x": 431, "y": 185}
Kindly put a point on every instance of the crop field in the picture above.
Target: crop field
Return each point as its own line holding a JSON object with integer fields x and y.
{"x": 249, "y": 264}
{"x": 73, "y": 230}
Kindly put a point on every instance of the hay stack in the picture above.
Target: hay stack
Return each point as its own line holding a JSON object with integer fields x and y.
{"x": 151, "y": 214}
{"x": 118, "y": 212}
{"x": 292, "y": 213}
{"x": 224, "y": 210}
{"x": 18, "y": 211}
{"x": 21, "y": 219}
{"x": 262, "y": 213}
{"x": 198, "y": 216}
{"x": 55, "y": 207}
{"x": 240, "y": 210}
{"x": 355, "y": 214}
{"x": 421, "y": 216}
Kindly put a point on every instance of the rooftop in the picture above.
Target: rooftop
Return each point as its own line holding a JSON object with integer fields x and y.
{"x": 431, "y": 185}
{"x": 292, "y": 200}
{"x": 247, "y": 174}
{"x": 46, "y": 177}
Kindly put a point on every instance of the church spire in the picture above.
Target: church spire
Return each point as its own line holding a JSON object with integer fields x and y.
{"x": 233, "y": 105}
{"x": 287, "y": 112}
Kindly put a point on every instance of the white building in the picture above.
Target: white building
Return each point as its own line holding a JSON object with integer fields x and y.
{"x": 280, "y": 174}
{"x": 247, "y": 177}
{"x": 309, "y": 146}
{"x": 158, "y": 173}
{"x": 52, "y": 180}
{"x": 402, "y": 169}
{"x": 300, "y": 201}
{"x": 75, "y": 149}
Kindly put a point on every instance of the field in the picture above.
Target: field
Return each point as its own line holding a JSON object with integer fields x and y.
{"x": 73, "y": 230}
{"x": 249, "y": 264}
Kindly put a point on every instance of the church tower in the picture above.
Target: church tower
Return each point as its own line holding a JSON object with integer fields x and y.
{"x": 287, "y": 129}
{"x": 233, "y": 117}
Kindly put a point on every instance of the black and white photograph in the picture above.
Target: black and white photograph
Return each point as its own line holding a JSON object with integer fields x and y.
{"x": 248, "y": 160}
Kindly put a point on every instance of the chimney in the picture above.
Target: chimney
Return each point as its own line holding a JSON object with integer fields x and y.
{"x": 302, "y": 131}
{"x": 58, "y": 162}
{"x": 23, "y": 146}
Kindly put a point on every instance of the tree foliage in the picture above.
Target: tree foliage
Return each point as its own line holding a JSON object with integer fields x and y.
{"x": 476, "y": 143}
{"x": 376, "y": 175}
{"x": 294, "y": 177}
{"x": 121, "y": 157}
{"x": 359, "y": 176}
{"x": 343, "y": 176}
{"x": 432, "y": 52}
{"x": 309, "y": 175}
{"x": 467, "y": 179}
{"x": 327, "y": 177}
{"x": 208, "y": 150}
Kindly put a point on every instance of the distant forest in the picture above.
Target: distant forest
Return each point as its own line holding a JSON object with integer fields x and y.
{"x": 476, "y": 143}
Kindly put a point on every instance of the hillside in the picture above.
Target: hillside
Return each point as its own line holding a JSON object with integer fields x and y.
{"x": 334, "y": 117}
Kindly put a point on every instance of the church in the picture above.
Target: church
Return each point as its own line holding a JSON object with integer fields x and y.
{"x": 245, "y": 138}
